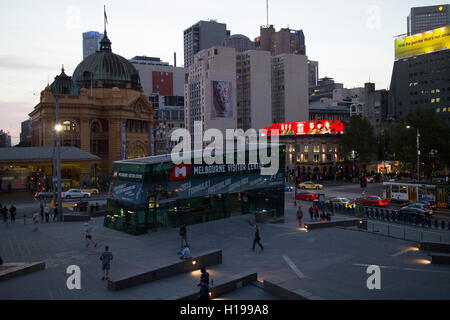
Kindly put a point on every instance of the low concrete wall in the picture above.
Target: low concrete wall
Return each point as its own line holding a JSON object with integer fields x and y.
{"x": 19, "y": 269}
{"x": 207, "y": 259}
{"x": 220, "y": 287}
{"x": 435, "y": 247}
{"x": 342, "y": 223}
{"x": 284, "y": 291}
{"x": 440, "y": 259}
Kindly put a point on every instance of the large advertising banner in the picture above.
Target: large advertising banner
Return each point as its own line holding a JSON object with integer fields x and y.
{"x": 305, "y": 128}
{"x": 422, "y": 43}
{"x": 222, "y": 106}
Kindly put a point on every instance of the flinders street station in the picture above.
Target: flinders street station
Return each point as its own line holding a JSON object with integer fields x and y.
{"x": 103, "y": 111}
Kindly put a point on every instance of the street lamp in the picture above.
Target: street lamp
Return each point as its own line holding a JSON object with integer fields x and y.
{"x": 353, "y": 156}
{"x": 58, "y": 129}
{"x": 418, "y": 153}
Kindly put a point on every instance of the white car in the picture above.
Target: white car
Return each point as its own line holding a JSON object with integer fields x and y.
{"x": 75, "y": 193}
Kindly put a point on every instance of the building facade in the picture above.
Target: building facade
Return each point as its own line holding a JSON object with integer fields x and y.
{"x": 91, "y": 42}
{"x": 324, "y": 89}
{"x": 25, "y": 133}
{"x": 5, "y": 139}
{"x": 285, "y": 41}
{"x": 201, "y": 36}
{"x": 102, "y": 110}
{"x": 313, "y": 73}
{"x": 239, "y": 42}
{"x": 427, "y": 18}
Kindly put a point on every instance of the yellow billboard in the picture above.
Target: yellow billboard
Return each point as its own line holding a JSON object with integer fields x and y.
{"x": 421, "y": 43}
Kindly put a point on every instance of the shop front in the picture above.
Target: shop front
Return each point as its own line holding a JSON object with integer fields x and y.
{"x": 151, "y": 193}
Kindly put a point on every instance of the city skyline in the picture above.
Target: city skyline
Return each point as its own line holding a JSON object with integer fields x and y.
{"x": 32, "y": 54}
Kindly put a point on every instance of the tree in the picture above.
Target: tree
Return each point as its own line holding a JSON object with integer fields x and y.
{"x": 359, "y": 137}
{"x": 434, "y": 142}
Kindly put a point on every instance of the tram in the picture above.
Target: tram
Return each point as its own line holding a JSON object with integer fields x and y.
{"x": 407, "y": 192}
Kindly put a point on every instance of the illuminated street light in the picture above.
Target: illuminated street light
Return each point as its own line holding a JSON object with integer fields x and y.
{"x": 58, "y": 128}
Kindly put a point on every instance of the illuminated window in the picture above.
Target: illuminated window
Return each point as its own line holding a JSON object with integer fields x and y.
{"x": 305, "y": 158}
{"x": 68, "y": 126}
{"x": 317, "y": 148}
{"x": 438, "y": 99}
{"x": 316, "y": 158}
{"x": 438, "y": 110}
{"x": 433, "y": 100}
{"x": 444, "y": 110}
{"x": 403, "y": 189}
{"x": 306, "y": 149}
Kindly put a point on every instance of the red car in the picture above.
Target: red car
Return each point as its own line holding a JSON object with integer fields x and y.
{"x": 307, "y": 195}
{"x": 375, "y": 201}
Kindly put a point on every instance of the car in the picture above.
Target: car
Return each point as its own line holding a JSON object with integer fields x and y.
{"x": 310, "y": 185}
{"x": 89, "y": 190}
{"x": 347, "y": 203}
{"x": 432, "y": 205}
{"x": 75, "y": 193}
{"x": 419, "y": 205}
{"x": 307, "y": 195}
{"x": 374, "y": 201}
{"x": 288, "y": 188}
{"x": 408, "y": 211}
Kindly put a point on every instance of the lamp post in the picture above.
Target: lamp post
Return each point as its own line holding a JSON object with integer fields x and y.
{"x": 418, "y": 153}
{"x": 353, "y": 156}
{"x": 58, "y": 129}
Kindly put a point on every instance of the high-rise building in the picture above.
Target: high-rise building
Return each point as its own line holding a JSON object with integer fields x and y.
{"x": 5, "y": 139}
{"x": 420, "y": 77}
{"x": 253, "y": 76}
{"x": 25, "y": 134}
{"x": 210, "y": 94}
{"x": 239, "y": 42}
{"x": 427, "y": 18}
{"x": 289, "y": 88}
{"x": 285, "y": 41}
{"x": 91, "y": 42}
{"x": 203, "y": 35}
{"x": 313, "y": 73}
{"x": 164, "y": 84}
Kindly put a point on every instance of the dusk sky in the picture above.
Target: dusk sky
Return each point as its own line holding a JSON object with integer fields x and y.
{"x": 353, "y": 40}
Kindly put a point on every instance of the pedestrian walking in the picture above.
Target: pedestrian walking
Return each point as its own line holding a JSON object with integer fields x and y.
{"x": 204, "y": 290}
{"x": 96, "y": 207}
{"x": 4, "y": 212}
{"x": 316, "y": 213}
{"x": 55, "y": 214}
{"x": 12, "y": 213}
{"x": 47, "y": 212}
{"x": 185, "y": 253}
{"x": 88, "y": 235}
{"x": 299, "y": 216}
{"x": 257, "y": 239}
{"x": 42, "y": 212}
{"x": 204, "y": 277}
{"x": 106, "y": 258}
{"x": 183, "y": 235}
{"x": 311, "y": 213}
{"x": 36, "y": 221}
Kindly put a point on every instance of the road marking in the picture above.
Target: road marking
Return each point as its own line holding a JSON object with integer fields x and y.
{"x": 400, "y": 268}
{"x": 401, "y": 252}
{"x": 294, "y": 267}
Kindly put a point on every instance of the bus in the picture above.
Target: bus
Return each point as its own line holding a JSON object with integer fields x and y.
{"x": 407, "y": 192}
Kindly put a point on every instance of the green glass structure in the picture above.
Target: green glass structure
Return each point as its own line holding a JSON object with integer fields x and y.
{"x": 150, "y": 193}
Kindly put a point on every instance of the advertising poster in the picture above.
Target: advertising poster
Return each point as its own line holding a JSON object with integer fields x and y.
{"x": 222, "y": 100}
{"x": 321, "y": 127}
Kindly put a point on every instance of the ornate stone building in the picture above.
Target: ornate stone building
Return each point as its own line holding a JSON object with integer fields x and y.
{"x": 103, "y": 110}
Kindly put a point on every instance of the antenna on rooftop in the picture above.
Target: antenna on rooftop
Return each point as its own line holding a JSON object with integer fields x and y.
{"x": 267, "y": 12}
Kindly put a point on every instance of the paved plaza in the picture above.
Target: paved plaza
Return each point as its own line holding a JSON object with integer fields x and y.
{"x": 330, "y": 263}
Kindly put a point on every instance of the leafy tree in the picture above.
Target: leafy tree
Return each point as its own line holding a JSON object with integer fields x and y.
{"x": 359, "y": 136}
{"x": 434, "y": 142}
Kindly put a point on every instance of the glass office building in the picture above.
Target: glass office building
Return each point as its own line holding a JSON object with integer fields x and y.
{"x": 151, "y": 193}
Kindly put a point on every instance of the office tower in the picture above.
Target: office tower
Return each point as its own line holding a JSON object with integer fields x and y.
{"x": 91, "y": 42}
{"x": 203, "y": 35}
{"x": 324, "y": 89}
{"x": 313, "y": 73}
{"x": 210, "y": 94}
{"x": 427, "y": 18}
{"x": 25, "y": 134}
{"x": 285, "y": 41}
{"x": 253, "y": 77}
{"x": 289, "y": 88}
{"x": 420, "y": 75}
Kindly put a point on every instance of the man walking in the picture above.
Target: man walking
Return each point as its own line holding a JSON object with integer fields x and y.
{"x": 106, "y": 258}
{"x": 12, "y": 213}
{"x": 204, "y": 290}
{"x": 316, "y": 212}
{"x": 299, "y": 216}
{"x": 42, "y": 212}
{"x": 204, "y": 277}
{"x": 257, "y": 239}
{"x": 55, "y": 214}
{"x": 88, "y": 235}
{"x": 47, "y": 212}
{"x": 311, "y": 213}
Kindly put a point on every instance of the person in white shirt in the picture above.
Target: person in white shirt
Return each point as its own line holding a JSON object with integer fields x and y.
{"x": 88, "y": 235}
{"x": 185, "y": 253}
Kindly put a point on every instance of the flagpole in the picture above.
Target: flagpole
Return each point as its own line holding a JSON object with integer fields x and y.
{"x": 104, "y": 17}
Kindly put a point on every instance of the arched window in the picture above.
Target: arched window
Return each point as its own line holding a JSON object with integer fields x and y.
{"x": 136, "y": 151}
{"x": 69, "y": 126}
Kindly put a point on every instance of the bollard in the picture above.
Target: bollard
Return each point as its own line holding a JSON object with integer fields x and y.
{"x": 24, "y": 219}
{"x": 435, "y": 224}
{"x": 442, "y": 225}
{"x": 382, "y": 215}
{"x": 377, "y": 214}
{"x": 429, "y": 223}
{"x": 415, "y": 220}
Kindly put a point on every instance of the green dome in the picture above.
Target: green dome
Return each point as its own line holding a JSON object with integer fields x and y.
{"x": 109, "y": 68}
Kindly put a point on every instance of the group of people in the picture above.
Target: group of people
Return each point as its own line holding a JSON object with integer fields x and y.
{"x": 314, "y": 214}
{"x": 12, "y": 213}
{"x": 45, "y": 211}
